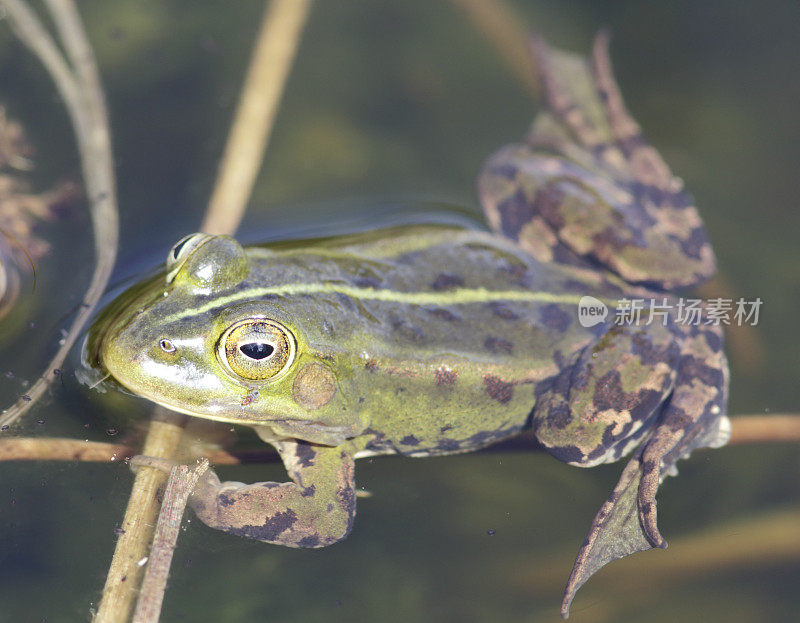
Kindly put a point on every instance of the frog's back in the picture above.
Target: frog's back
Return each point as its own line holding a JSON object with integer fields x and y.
{"x": 442, "y": 331}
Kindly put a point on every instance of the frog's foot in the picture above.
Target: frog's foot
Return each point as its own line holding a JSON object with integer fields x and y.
{"x": 694, "y": 417}
{"x": 141, "y": 460}
{"x": 587, "y": 189}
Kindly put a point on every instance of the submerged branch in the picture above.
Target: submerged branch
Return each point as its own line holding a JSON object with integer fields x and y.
{"x": 136, "y": 531}
{"x": 181, "y": 483}
{"x": 279, "y": 36}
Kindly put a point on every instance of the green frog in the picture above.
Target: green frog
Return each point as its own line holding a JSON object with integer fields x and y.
{"x": 433, "y": 339}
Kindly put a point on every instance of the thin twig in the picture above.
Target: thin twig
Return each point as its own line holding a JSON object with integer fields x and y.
{"x": 772, "y": 428}
{"x": 48, "y": 449}
{"x": 225, "y": 210}
{"x": 79, "y": 87}
{"x": 136, "y": 531}
{"x": 255, "y": 115}
{"x": 57, "y": 449}
{"x": 181, "y": 483}
{"x": 746, "y": 430}
{"x": 502, "y": 27}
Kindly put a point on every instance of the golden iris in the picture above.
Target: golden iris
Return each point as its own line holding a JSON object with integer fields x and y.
{"x": 256, "y": 349}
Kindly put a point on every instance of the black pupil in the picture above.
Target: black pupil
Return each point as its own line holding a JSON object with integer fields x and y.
{"x": 257, "y": 350}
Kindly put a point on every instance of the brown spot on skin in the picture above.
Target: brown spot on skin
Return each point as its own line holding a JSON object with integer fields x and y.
{"x": 553, "y": 317}
{"x": 449, "y": 445}
{"x": 694, "y": 368}
{"x": 314, "y": 386}
{"x": 549, "y": 201}
{"x": 559, "y": 416}
{"x": 676, "y": 422}
{"x": 346, "y": 494}
{"x": 517, "y": 210}
{"x": 498, "y": 389}
{"x": 447, "y": 281}
{"x": 501, "y": 311}
{"x": 368, "y": 282}
{"x": 273, "y": 526}
{"x": 517, "y": 271}
{"x": 568, "y": 454}
{"x": 714, "y": 340}
{"x": 445, "y": 377}
{"x": 498, "y": 345}
{"x": 305, "y": 454}
{"x": 630, "y": 144}
{"x": 308, "y": 541}
{"x": 609, "y": 395}
{"x": 408, "y": 331}
{"x": 443, "y": 314}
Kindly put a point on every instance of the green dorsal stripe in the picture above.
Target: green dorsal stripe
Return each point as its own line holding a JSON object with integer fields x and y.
{"x": 457, "y": 296}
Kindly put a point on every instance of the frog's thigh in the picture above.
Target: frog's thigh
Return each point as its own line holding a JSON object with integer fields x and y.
{"x": 598, "y": 408}
{"x": 314, "y": 510}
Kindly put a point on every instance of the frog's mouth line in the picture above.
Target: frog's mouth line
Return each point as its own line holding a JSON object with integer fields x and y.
{"x": 293, "y": 422}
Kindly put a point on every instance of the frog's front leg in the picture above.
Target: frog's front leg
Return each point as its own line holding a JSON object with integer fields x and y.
{"x": 314, "y": 510}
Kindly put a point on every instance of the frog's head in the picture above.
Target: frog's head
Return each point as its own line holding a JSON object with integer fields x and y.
{"x": 199, "y": 342}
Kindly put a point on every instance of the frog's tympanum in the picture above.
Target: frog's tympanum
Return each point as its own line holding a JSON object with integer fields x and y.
{"x": 431, "y": 339}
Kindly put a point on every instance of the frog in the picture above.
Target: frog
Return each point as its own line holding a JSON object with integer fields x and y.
{"x": 427, "y": 339}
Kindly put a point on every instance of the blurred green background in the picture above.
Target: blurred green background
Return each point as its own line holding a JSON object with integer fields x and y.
{"x": 391, "y": 106}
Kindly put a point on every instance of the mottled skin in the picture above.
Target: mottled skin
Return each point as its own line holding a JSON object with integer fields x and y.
{"x": 433, "y": 339}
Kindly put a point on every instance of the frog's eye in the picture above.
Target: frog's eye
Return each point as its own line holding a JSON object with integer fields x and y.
{"x": 182, "y": 250}
{"x": 256, "y": 349}
{"x": 207, "y": 263}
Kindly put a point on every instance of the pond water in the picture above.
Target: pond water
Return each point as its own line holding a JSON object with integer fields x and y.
{"x": 391, "y": 108}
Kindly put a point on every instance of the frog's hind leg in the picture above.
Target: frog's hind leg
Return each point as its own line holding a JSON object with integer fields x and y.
{"x": 563, "y": 78}
{"x": 693, "y": 417}
{"x": 643, "y": 161}
{"x": 604, "y": 402}
{"x": 586, "y": 189}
